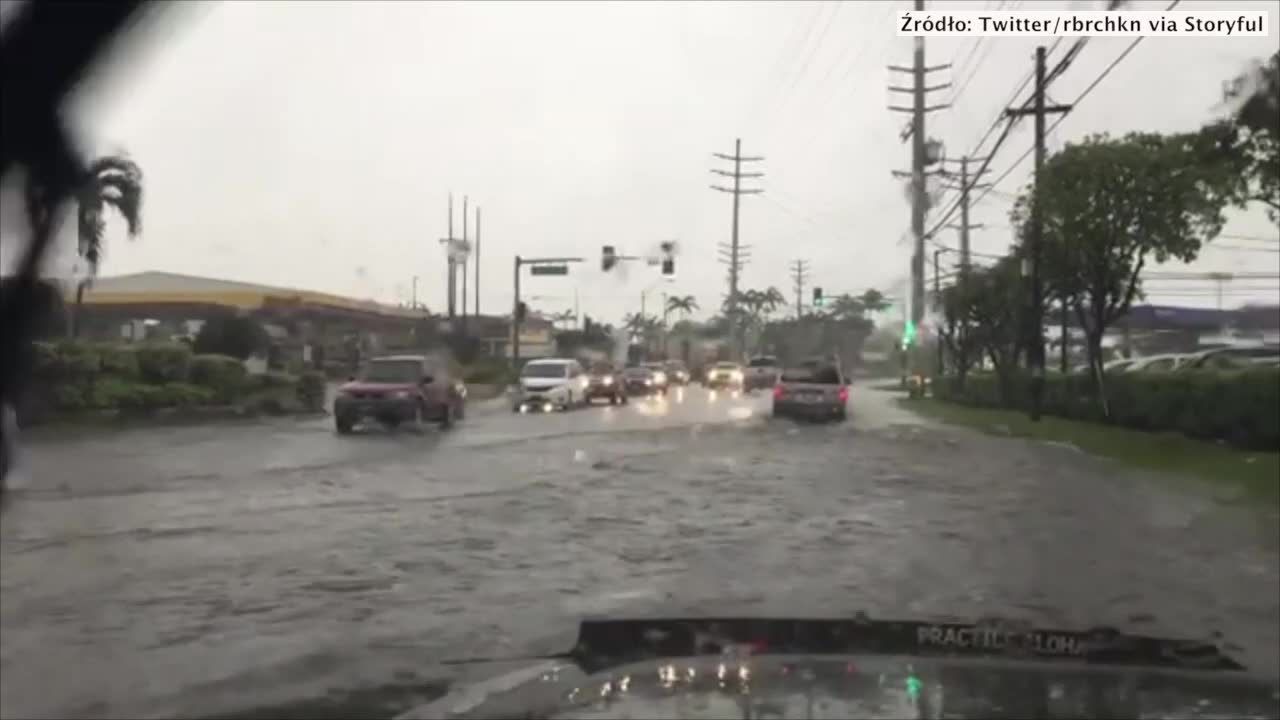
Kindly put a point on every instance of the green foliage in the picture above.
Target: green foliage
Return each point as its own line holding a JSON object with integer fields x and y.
{"x": 163, "y": 362}
{"x": 238, "y": 336}
{"x": 1238, "y": 407}
{"x": 272, "y": 379}
{"x": 118, "y": 360}
{"x": 1251, "y": 136}
{"x": 311, "y": 391}
{"x": 223, "y": 374}
{"x": 78, "y": 360}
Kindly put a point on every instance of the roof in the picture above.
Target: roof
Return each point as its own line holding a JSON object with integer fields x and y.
{"x": 165, "y": 287}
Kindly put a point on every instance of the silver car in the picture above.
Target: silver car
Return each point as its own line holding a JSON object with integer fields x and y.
{"x": 815, "y": 391}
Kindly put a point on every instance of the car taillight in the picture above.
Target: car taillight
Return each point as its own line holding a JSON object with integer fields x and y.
{"x": 844, "y": 393}
{"x": 778, "y": 392}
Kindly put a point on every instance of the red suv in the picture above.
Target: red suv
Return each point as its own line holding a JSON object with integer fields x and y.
{"x": 400, "y": 388}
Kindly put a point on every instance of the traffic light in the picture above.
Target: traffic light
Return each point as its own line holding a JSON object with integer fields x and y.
{"x": 521, "y": 311}
{"x": 908, "y": 335}
{"x": 668, "y": 267}
{"x": 608, "y": 258}
{"x": 818, "y": 300}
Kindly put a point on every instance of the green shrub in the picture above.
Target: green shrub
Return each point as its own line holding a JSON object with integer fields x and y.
{"x": 272, "y": 379}
{"x": 119, "y": 360}
{"x": 223, "y": 374}
{"x": 78, "y": 360}
{"x": 311, "y": 391}
{"x": 163, "y": 362}
{"x": 182, "y": 395}
{"x": 44, "y": 360}
{"x": 1241, "y": 407}
{"x": 69, "y": 397}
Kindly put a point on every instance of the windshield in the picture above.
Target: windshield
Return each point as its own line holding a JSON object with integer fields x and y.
{"x": 393, "y": 371}
{"x": 544, "y": 370}
{"x": 863, "y": 374}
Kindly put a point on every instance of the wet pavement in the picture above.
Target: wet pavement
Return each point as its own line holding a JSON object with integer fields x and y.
{"x": 193, "y": 570}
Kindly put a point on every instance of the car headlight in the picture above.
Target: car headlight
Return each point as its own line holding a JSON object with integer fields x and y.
{"x": 400, "y": 395}
{"x": 607, "y": 381}
{"x": 648, "y": 381}
{"x": 660, "y": 378}
{"x": 737, "y": 375}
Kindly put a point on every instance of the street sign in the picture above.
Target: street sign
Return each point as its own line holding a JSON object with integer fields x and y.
{"x": 549, "y": 270}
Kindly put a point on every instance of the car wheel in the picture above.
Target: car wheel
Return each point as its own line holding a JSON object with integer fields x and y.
{"x": 342, "y": 425}
{"x": 462, "y": 410}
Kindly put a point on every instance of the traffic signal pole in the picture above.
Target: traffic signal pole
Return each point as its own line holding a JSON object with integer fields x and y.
{"x": 517, "y": 314}
{"x": 516, "y": 319}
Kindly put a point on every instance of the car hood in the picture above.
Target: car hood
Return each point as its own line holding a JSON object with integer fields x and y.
{"x": 542, "y": 383}
{"x": 789, "y": 668}
{"x": 362, "y": 386}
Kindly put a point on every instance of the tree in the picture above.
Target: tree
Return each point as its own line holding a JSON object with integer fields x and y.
{"x": 1107, "y": 205}
{"x": 874, "y": 301}
{"x": 236, "y": 335}
{"x": 565, "y": 317}
{"x": 685, "y": 305}
{"x": 112, "y": 181}
{"x": 992, "y": 300}
{"x": 1251, "y": 136}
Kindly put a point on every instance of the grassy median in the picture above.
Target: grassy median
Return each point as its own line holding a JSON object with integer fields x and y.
{"x": 1250, "y": 475}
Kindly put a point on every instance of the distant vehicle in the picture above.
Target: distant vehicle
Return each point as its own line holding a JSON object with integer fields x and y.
{"x": 660, "y": 378}
{"x": 1112, "y": 367}
{"x": 397, "y": 389}
{"x": 677, "y": 374}
{"x": 815, "y": 390}
{"x": 1230, "y": 358}
{"x": 604, "y": 381}
{"x": 724, "y": 375}
{"x": 1167, "y": 362}
{"x": 641, "y": 380}
{"x": 761, "y": 372}
{"x": 550, "y": 384}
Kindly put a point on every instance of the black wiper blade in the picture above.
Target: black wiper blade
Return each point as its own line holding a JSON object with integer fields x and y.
{"x": 603, "y": 644}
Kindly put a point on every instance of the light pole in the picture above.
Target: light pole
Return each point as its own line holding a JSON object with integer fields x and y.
{"x": 415, "y": 292}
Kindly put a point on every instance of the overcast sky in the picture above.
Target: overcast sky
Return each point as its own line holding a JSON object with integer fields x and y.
{"x": 314, "y": 145}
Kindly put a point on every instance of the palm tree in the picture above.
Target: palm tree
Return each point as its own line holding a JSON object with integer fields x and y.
{"x": 683, "y": 304}
{"x": 565, "y": 317}
{"x": 847, "y": 307}
{"x": 874, "y": 301}
{"x": 636, "y": 323}
{"x": 112, "y": 181}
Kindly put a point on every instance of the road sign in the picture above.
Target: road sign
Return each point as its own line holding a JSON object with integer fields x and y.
{"x": 549, "y": 270}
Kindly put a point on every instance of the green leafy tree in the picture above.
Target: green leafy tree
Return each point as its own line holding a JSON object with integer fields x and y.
{"x": 236, "y": 335}
{"x": 683, "y": 305}
{"x": 992, "y": 301}
{"x": 1108, "y": 204}
{"x": 1251, "y": 136}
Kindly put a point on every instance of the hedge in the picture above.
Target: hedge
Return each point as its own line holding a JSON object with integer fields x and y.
{"x": 163, "y": 362}
{"x": 1241, "y": 407}
{"x": 490, "y": 371}
{"x": 223, "y": 374}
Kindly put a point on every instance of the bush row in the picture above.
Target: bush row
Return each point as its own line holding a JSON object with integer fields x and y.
{"x": 74, "y": 375}
{"x": 1240, "y": 407}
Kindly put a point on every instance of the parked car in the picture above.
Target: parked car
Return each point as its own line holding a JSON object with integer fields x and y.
{"x": 724, "y": 375}
{"x": 397, "y": 389}
{"x": 640, "y": 380}
{"x": 1230, "y": 358}
{"x": 814, "y": 390}
{"x": 1167, "y": 362}
{"x": 677, "y": 373}
{"x": 551, "y": 383}
{"x": 604, "y": 381}
{"x": 761, "y": 372}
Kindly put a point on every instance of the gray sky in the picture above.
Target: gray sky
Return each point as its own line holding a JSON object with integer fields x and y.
{"x": 314, "y": 145}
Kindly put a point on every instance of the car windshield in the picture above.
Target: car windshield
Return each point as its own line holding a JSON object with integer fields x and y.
{"x": 229, "y": 232}
{"x": 544, "y": 370}
{"x": 393, "y": 371}
{"x": 819, "y": 374}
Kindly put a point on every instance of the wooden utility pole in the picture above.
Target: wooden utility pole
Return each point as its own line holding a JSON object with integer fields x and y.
{"x": 735, "y": 255}
{"x": 476, "y": 309}
{"x": 919, "y": 161}
{"x": 799, "y": 273}
{"x": 463, "y": 265}
{"x": 1035, "y": 330}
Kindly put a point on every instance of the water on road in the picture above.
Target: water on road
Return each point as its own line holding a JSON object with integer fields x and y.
{"x": 193, "y": 570}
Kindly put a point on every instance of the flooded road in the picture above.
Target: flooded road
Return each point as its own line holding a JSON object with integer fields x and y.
{"x": 195, "y": 570}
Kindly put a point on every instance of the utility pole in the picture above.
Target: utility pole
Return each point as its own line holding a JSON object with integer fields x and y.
{"x": 448, "y": 246}
{"x": 515, "y": 320}
{"x": 463, "y": 265}
{"x": 476, "y": 310}
{"x": 1035, "y": 331}
{"x": 799, "y": 273}
{"x": 736, "y": 254}
{"x": 415, "y": 292}
{"x": 966, "y": 187}
{"x": 937, "y": 294}
{"x": 919, "y": 160}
